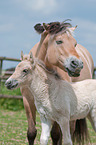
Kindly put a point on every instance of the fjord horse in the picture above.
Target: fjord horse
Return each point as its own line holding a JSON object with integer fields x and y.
{"x": 60, "y": 52}
{"x": 55, "y": 99}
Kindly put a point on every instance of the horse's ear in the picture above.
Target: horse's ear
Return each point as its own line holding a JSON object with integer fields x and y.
{"x": 22, "y": 55}
{"x": 39, "y": 28}
{"x": 73, "y": 28}
{"x": 31, "y": 58}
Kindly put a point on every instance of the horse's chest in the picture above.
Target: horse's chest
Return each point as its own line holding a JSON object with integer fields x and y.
{"x": 44, "y": 109}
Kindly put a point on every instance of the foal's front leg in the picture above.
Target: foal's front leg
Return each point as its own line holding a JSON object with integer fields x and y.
{"x": 65, "y": 127}
{"x": 46, "y": 127}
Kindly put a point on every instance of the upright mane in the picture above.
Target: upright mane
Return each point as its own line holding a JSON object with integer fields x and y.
{"x": 53, "y": 27}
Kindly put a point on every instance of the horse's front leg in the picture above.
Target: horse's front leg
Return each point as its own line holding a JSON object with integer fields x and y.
{"x": 56, "y": 134}
{"x": 46, "y": 127}
{"x": 31, "y": 115}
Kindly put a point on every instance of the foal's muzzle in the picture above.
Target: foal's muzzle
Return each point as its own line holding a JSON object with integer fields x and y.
{"x": 73, "y": 66}
{"x": 11, "y": 83}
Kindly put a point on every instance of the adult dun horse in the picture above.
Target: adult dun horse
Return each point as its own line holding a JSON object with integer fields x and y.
{"x": 56, "y": 47}
{"x": 55, "y": 99}
{"x": 59, "y": 52}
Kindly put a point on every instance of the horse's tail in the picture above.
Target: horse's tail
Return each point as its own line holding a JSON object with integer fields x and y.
{"x": 81, "y": 134}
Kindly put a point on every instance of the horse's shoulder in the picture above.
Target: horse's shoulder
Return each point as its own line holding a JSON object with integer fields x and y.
{"x": 85, "y": 53}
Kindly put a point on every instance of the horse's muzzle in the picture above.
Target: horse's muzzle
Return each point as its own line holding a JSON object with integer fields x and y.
{"x": 11, "y": 84}
{"x": 73, "y": 66}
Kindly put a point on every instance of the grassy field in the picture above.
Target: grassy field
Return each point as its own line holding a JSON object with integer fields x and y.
{"x": 13, "y": 128}
{"x": 13, "y": 122}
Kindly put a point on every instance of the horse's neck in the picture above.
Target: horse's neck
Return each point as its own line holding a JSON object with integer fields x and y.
{"x": 42, "y": 47}
{"x": 42, "y": 55}
{"x": 42, "y": 42}
{"x": 84, "y": 54}
{"x": 42, "y": 52}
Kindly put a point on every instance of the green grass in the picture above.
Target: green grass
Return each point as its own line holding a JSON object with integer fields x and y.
{"x": 13, "y": 121}
{"x": 13, "y": 128}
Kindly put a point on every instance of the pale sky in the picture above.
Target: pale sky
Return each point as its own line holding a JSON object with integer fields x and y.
{"x": 18, "y": 17}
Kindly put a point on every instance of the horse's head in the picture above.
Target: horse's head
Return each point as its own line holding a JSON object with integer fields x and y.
{"x": 22, "y": 75}
{"x": 61, "y": 48}
{"x": 61, "y": 52}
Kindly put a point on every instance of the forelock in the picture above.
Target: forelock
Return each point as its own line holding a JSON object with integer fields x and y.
{"x": 53, "y": 27}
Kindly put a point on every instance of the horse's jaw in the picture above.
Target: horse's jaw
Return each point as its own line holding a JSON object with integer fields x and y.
{"x": 73, "y": 74}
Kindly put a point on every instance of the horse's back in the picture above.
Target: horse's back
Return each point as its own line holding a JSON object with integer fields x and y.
{"x": 85, "y": 92}
{"x": 85, "y": 89}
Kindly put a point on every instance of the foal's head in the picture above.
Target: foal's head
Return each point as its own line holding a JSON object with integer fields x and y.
{"x": 23, "y": 73}
{"x": 61, "y": 47}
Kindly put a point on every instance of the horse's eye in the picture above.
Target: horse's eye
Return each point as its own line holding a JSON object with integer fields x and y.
{"x": 25, "y": 70}
{"x": 59, "y": 42}
{"x": 75, "y": 44}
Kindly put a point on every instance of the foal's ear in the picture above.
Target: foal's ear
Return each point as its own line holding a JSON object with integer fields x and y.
{"x": 31, "y": 58}
{"x": 22, "y": 55}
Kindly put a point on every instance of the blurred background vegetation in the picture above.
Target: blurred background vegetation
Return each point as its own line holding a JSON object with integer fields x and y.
{"x": 11, "y": 104}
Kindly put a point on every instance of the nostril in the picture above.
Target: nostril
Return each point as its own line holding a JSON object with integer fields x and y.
{"x": 74, "y": 63}
{"x": 7, "y": 83}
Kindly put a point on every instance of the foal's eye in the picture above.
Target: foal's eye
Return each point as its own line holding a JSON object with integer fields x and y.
{"x": 25, "y": 70}
{"x": 59, "y": 42}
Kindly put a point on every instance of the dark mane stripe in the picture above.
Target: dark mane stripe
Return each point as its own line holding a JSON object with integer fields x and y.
{"x": 56, "y": 27}
{"x": 53, "y": 27}
{"x": 41, "y": 64}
